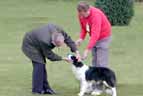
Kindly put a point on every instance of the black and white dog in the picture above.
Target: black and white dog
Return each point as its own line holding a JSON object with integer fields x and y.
{"x": 93, "y": 75}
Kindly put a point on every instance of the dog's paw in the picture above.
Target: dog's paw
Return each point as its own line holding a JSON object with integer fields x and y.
{"x": 95, "y": 93}
{"x": 80, "y": 94}
{"x": 108, "y": 91}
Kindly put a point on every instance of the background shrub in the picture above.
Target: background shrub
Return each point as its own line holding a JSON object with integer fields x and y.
{"x": 119, "y": 12}
{"x": 139, "y": 0}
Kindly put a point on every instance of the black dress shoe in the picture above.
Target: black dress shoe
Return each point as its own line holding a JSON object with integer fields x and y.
{"x": 41, "y": 92}
{"x": 50, "y": 91}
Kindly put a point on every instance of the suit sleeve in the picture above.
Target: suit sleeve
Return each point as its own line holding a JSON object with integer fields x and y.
{"x": 52, "y": 56}
{"x": 95, "y": 31}
{"x": 69, "y": 42}
{"x": 83, "y": 31}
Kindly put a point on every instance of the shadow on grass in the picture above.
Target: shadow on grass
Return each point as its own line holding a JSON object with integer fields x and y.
{"x": 122, "y": 90}
{"x": 130, "y": 90}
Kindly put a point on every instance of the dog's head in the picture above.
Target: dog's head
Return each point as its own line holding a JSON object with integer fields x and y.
{"x": 75, "y": 61}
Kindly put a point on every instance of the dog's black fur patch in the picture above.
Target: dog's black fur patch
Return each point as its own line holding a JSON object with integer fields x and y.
{"x": 101, "y": 74}
{"x": 75, "y": 62}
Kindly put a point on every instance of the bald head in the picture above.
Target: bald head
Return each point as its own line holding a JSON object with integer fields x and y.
{"x": 58, "y": 39}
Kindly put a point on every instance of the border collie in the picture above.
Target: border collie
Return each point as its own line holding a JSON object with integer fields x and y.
{"x": 93, "y": 75}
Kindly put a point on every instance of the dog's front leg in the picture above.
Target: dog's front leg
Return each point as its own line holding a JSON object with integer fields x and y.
{"x": 83, "y": 88}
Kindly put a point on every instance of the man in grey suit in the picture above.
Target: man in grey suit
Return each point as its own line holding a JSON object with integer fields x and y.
{"x": 37, "y": 46}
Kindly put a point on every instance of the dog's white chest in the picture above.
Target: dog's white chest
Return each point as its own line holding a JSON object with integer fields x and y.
{"x": 80, "y": 72}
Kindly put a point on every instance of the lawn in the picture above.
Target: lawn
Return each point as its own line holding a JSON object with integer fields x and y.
{"x": 20, "y": 16}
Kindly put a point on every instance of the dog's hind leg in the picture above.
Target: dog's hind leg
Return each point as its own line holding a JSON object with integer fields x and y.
{"x": 113, "y": 89}
{"x": 114, "y": 92}
{"x": 108, "y": 91}
{"x": 97, "y": 88}
{"x": 106, "y": 84}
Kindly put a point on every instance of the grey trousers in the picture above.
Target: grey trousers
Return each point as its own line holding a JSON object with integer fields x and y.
{"x": 100, "y": 53}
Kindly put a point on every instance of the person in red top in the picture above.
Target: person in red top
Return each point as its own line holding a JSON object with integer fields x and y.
{"x": 94, "y": 22}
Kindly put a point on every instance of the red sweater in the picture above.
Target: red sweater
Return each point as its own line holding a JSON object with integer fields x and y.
{"x": 96, "y": 24}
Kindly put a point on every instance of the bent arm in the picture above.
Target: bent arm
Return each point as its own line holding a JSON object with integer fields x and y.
{"x": 52, "y": 56}
{"x": 83, "y": 31}
{"x": 69, "y": 42}
{"x": 95, "y": 31}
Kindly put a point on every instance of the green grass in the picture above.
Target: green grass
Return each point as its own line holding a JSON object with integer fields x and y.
{"x": 20, "y": 16}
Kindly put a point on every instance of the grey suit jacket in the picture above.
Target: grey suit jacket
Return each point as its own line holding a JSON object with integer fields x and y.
{"x": 37, "y": 44}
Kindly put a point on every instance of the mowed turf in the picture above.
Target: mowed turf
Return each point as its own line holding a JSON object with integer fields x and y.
{"x": 20, "y": 16}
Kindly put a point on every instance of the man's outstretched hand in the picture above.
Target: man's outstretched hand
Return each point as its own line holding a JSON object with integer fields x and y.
{"x": 67, "y": 59}
{"x": 85, "y": 54}
{"x": 78, "y": 42}
{"x": 78, "y": 56}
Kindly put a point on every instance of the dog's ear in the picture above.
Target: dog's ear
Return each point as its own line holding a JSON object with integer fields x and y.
{"x": 74, "y": 58}
{"x": 75, "y": 61}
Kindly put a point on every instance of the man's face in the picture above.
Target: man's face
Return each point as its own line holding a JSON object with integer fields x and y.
{"x": 84, "y": 13}
{"x": 59, "y": 43}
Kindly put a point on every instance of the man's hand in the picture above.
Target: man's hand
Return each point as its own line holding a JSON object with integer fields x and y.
{"x": 78, "y": 55}
{"x": 67, "y": 59}
{"x": 78, "y": 42}
{"x": 85, "y": 54}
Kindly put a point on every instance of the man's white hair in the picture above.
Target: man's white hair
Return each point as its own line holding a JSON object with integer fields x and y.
{"x": 57, "y": 37}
